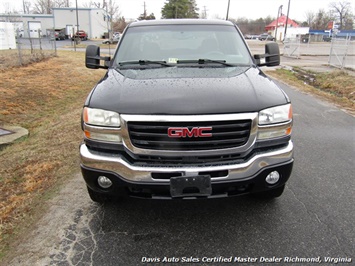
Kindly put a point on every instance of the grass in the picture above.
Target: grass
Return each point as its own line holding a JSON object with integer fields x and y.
{"x": 11, "y": 58}
{"x": 336, "y": 87}
{"x": 46, "y": 98}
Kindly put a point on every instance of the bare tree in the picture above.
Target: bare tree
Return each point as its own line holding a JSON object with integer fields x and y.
{"x": 95, "y": 4}
{"x": 321, "y": 20}
{"x": 45, "y": 6}
{"x": 27, "y": 7}
{"x": 112, "y": 9}
{"x": 310, "y": 17}
{"x": 342, "y": 11}
{"x": 42, "y": 7}
{"x": 61, "y": 3}
{"x": 119, "y": 24}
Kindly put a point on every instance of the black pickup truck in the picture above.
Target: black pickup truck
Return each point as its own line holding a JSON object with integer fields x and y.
{"x": 185, "y": 112}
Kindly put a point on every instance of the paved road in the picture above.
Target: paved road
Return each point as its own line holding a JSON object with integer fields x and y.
{"x": 314, "y": 218}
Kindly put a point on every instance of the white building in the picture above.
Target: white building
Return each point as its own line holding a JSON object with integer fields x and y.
{"x": 92, "y": 20}
{"x": 29, "y": 25}
{"x": 293, "y": 33}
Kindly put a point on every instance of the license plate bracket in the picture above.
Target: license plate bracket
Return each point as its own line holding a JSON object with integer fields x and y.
{"x": 190, "y": 186}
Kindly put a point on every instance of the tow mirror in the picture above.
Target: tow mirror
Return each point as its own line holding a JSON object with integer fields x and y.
{"x": 272, "y": 55}
{"x": 92, "y": 58}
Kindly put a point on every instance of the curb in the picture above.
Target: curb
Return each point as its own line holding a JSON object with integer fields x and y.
{"x": 13, "y": 133}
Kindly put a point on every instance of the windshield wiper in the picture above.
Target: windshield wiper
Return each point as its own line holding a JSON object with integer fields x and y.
{"x": 205, "y": 61}
{"x": 144, "y": 63}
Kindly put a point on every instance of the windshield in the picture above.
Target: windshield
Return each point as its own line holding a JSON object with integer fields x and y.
{"x": 182, "y": 44}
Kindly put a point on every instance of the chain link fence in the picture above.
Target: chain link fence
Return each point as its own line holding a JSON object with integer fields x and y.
{"x": 29, "y": 49}
{"x": 338, "y": 52}
{"x": 335, "y": 52}
{"x": 292, "y": 47}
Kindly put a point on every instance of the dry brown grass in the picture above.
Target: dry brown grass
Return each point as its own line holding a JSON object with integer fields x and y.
{"x": 10, "y": 58}
{"x": 336, "y": 87}
{"x": 46, "y": 98}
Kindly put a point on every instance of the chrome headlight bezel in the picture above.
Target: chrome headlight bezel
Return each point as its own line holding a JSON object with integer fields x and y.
{"x": 275, "y": 122}
{"x": 275, "y": 115}
{"x": 102, "y": 125}
{"x": 100, "y": 117}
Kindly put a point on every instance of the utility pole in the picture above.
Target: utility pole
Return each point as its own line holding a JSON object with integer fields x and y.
{"x": 77, "y": 16}
{"x": 23, "y": 5}
{"x": 288, "y": 11}
{"x": 204, "y": 12}
{"x": 111, "y": 19}
{"x": 144, "y": 11}
{"x": 277, "y": 21}
{"x": 228, "y": 9}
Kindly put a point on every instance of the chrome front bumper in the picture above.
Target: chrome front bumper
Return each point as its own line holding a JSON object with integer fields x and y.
{"x": 143, "y": 174}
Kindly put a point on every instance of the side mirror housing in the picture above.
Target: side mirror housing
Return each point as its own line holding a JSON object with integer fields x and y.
{"x": 92, "y": 58}
{"x": 272, "y": 55}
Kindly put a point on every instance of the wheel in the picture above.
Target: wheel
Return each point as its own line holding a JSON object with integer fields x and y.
{"x": 98, "y": 197}
{"x": 270, "y": 194}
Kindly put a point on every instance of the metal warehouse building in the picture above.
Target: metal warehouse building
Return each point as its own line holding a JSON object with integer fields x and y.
{"x": 91, "y": 20}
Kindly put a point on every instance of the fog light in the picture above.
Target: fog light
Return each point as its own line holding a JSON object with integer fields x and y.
{"x": 272, "y": 178}
{"x": 104, "y": 182}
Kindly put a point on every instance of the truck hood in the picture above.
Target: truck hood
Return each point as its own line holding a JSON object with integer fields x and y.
{"x": 185, "y": 91}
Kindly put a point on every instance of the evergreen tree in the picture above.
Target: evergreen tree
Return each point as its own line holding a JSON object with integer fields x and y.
{"x": 180, "y": 9}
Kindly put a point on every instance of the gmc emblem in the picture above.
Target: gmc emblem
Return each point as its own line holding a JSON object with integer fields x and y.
{"x": 183, "y": 132}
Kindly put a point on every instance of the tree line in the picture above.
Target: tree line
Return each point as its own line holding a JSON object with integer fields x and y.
{"x": 339, "y": 12}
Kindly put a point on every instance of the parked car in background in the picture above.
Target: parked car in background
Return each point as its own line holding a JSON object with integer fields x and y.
{"x": 80, "y": 34}
{"x": 116, "y": 35}
{"x": 59, "y": 34}
{"x": 327, "y": 38}
{"x": 305, "y": 38}
{"x": 266, "y": 37}
{"x": 114, "y": 40}
{"x": 251, "y": 37}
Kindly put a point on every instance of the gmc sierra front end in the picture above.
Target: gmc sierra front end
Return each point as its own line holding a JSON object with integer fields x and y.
{"x": 184, "y": 111}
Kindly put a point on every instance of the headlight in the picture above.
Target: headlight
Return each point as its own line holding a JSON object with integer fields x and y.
{"x": 102, "y": 125}
{"x": 274, "y": 115}
{"x": 275, "y": 122}
{"x": 99, "y": 117}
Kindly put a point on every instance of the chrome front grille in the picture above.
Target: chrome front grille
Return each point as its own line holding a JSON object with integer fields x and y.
{"x": 153, "y": 135}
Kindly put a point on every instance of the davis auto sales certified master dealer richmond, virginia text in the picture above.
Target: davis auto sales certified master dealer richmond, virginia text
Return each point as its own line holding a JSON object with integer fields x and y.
{"x": 233, "y": 259}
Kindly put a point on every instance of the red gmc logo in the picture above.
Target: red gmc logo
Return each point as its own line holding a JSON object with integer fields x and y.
{"x": 183, "y": 132}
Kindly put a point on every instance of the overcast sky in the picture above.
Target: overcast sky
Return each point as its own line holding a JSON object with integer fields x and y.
{"x": 251, "y": 9}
